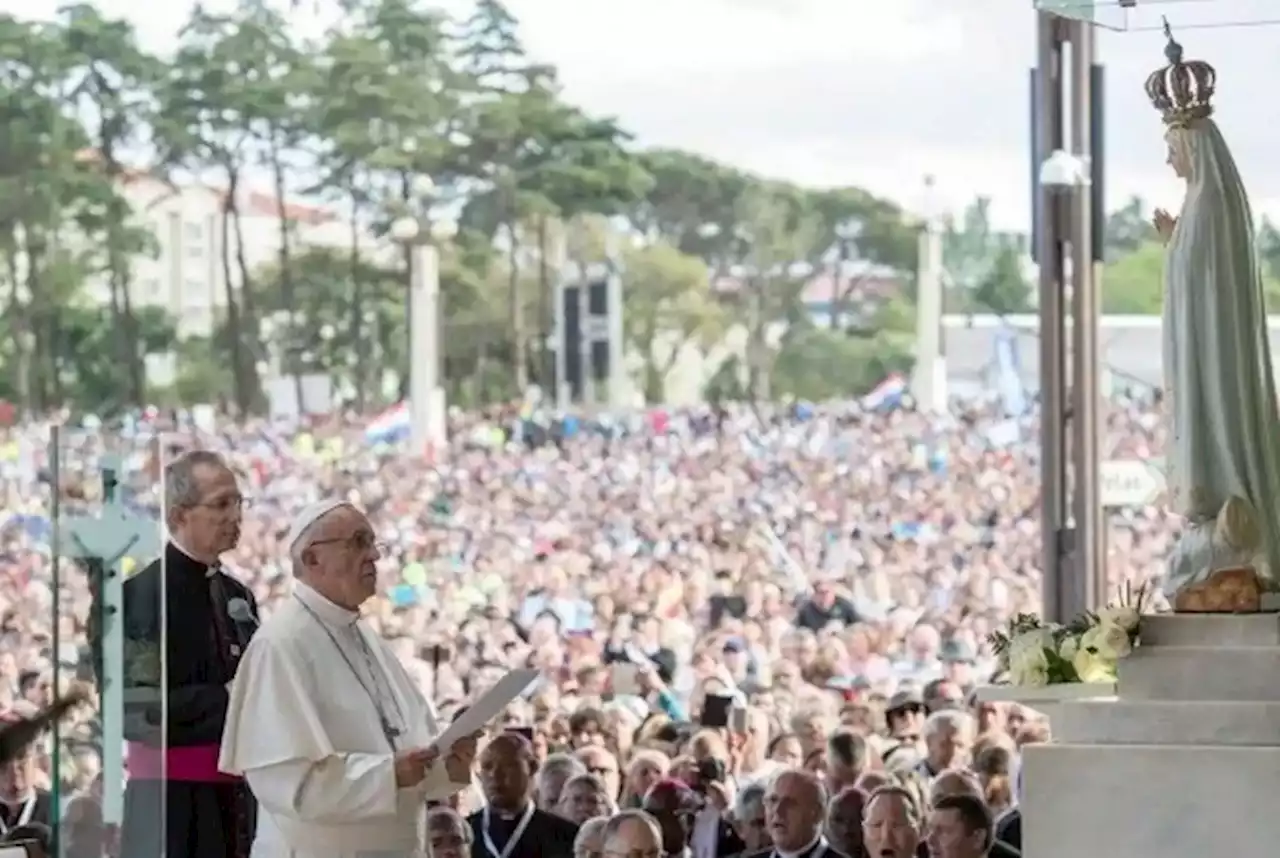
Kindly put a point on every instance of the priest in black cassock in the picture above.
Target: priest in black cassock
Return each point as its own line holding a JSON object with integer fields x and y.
{"x": 208, "y": 620}
{"x": 795, "y": 805}
{"x": 510, "y": 825}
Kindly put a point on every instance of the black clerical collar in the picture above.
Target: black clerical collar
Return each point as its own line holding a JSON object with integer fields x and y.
{"x": 209, "y": 569}
{"x": 814, "y": 846}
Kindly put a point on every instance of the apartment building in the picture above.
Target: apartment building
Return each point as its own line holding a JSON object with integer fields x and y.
{"x": 186, "y": 274}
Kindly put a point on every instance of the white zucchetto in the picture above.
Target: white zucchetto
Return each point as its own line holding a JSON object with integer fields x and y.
{"x": 309, "y": 516}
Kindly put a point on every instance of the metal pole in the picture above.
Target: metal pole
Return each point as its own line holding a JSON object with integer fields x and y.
{"x": 426, "y": 400}
{"x": 1089, "y": 573}
{"x": 1049, "y": 135}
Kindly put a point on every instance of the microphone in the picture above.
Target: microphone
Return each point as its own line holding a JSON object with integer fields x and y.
{"x": 238, "y": 609}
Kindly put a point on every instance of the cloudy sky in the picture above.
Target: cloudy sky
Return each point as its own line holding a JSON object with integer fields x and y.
{"x": 876, "y": 93}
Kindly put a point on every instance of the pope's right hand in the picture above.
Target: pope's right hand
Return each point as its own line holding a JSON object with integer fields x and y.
{"x": 412, "y": 765}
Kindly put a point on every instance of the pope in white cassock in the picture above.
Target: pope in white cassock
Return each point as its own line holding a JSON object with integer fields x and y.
{"x": 324, "y": 723}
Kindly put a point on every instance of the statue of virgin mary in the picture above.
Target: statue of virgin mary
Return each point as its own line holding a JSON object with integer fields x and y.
{"x": 1224, "y": 445}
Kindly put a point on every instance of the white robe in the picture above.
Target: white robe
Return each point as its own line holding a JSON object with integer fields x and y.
{"x": 1224, "y": 450}
{"x": 307, "y": 738}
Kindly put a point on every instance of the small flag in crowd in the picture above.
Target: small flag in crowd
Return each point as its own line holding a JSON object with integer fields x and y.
{"x": 887, "y": 394}
{"x": 390, "y": 426}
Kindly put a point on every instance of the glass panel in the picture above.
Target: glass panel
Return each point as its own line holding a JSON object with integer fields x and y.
{"x": 1138, "y": 15}
{"x": 103, "y": 527}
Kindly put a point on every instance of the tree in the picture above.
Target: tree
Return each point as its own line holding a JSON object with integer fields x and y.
{"x": 768, "y": 242}
{"x": 319, "y": 338}
{"x": 396, "y": 93}
{"x": 274, "y": 110}
{"x": 668, "y": 304}
{"x": 112, "y": 80}
{"x": 854, "y": 226}
{"x": 985, "y": 265}
{"x": 1004, "y": 288}
{"x": 1133, "y": 284}
{"x": 689, "y": 194}
{"x": 208, "y": 103}
{"x": 1127, "y": 229}
{"x": 45, "y": 183}
{"x": 820, "y": 364}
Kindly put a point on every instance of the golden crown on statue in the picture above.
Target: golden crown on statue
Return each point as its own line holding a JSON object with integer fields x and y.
{"x": 1182, "y": 90}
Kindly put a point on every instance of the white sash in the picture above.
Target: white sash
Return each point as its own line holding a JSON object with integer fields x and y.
{"x": 28, "y": 808}
{"x": 515, "y": 835}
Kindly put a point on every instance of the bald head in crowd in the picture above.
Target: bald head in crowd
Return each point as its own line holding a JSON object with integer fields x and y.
{"x": 795, "y": 806}
{"x": 634, "y": 834}
{"x": 589, "y": 842}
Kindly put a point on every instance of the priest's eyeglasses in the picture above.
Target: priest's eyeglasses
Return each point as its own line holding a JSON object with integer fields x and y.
{"x": 227, "y": 504}
{"x": 360, "y": 541}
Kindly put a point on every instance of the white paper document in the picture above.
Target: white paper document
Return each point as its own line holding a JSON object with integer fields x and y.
{"x": 487, "y": 707}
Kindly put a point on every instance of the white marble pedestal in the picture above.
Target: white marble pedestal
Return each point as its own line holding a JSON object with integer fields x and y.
{"x": 1183, "y": 763}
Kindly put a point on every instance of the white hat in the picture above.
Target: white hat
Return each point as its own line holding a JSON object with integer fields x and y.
{"x": 309, "y": 516}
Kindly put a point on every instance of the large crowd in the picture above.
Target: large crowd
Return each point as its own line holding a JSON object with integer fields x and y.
{"x": 817, "y": 565}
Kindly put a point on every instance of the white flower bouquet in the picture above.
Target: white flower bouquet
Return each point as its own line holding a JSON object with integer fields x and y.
{"x": 1032, "y": 653}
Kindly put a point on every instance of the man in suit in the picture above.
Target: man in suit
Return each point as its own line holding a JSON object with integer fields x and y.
{"x": 713, "y": 836}
{"x": 209, "y": 618}
{"x": 748, "y": 818}
{"x": 21, "y": 802}
{"x": 960, "y": 826}
{"x": 844, "y": 822}
{"x": 891, "y": 825}
{"x": 674, "y": 807}
{"x": 511, "y": 825}
{"x": 962, "y": 783}
{"x": 553, "y": 774}
{"x": 848, "y": 756}
{"x": 795, "y": 806}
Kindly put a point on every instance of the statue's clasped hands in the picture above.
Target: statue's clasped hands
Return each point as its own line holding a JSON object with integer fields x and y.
{"x": 1164, "y": 224}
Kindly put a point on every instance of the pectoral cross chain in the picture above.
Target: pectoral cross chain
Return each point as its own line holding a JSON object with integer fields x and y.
{"x": 389, "y": 732}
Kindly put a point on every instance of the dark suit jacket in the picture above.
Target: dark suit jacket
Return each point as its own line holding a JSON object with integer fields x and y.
{"x": 824, "y": 850}
{"x": 41, "y": 813}
{"x": 548, "y": 836}
{"x": 1009, "y": 828}
{"x": 728, "y": 843}
{"x": 197, "y": 673}
{"x": 999, "y": 849}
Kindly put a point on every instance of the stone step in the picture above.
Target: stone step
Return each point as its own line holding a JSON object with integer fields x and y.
{"x": 1141, "y": 722}
{"x": 1211, "y": 630}
{"x": 1149, "y": 800}
{"x": 1217, "y": 673}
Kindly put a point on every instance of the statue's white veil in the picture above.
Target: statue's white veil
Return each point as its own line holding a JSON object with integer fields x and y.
{"x": 1214, "y": 188}
{"x": 1217, "y": 351}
